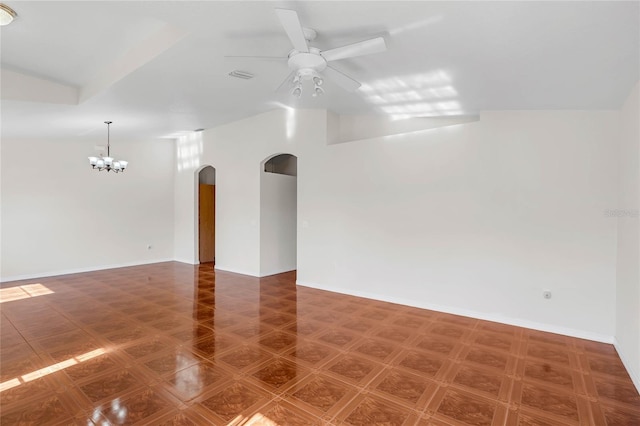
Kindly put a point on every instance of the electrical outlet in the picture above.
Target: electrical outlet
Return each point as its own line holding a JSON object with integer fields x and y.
{"x": 546, "y": 294}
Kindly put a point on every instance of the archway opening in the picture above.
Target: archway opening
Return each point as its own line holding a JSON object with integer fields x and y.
{"x": 284, "y": 164}
{"x": 207, "y": 215}
{"x": 278, "y": 214}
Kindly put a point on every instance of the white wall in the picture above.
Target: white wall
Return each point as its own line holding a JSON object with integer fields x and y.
{"x": 236, "y": 151}
{"x": 185, "y": 203}
{"x": 628, "y": 266}
{"x": 278, "y": 223}
{"x": 59, "y": 215}
{"x": 475, "y": 219}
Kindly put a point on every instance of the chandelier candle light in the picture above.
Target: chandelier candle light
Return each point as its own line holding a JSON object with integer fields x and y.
{"x": 108, "y": 163}
{"x": 7, "y": 15}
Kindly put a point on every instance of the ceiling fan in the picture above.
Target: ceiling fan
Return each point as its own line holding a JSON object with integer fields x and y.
{"x": 309, "y": 63}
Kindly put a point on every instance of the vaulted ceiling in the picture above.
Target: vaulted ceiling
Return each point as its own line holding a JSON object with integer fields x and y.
{"x": 158, "y": 68}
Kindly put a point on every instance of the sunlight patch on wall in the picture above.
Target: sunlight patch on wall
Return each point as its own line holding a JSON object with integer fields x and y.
{"x": 291, "y": 123}
{"x": 188, "y": 150}
{"x": 9, "y": 384}
{"x": 429, "y": 94}
{"x": 290, "y": 119}
{"x": 23, "y": 292}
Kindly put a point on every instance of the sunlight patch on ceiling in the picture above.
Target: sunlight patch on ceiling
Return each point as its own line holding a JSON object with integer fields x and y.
{"x": 418, "y": 25}
{"x": 414, "y": 95}
{"x": 429, "y": 94}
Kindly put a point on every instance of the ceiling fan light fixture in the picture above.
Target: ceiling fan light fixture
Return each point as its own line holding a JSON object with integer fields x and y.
{"x": 7, "y": 15}
{"x": 317, "y": 91}
{"x": 308, "y": 62}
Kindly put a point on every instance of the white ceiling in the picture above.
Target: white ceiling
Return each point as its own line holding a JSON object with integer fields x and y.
{"x": 157, "y": 68}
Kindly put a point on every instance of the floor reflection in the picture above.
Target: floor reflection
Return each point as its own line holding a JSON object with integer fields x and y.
{"x": 189, "y": 345}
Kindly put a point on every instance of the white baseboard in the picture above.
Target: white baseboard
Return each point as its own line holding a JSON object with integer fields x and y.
{"x": 550, "y": 328}
{"x": 236, "y": 271}
{"x": 268, "y": 274}
{"x": 114, "y": 266}
{"x": 80, "y": 270}
{"x": 187, "y": 261}
{"x": 635, "y": 375}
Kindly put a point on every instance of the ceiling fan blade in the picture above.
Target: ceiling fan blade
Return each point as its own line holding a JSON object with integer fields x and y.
{"x": 341, "y": 79}
{"x": 289, "y": 79}
{"x": 374, "y": 45}
{"x": 291, "y": 24}
{"x": 269, "y": 58}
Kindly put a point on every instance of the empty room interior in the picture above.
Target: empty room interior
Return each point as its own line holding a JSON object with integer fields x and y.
{"x": 320, "y": 213}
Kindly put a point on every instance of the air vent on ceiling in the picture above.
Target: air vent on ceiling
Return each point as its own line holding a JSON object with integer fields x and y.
{"x": 241, "y": 74}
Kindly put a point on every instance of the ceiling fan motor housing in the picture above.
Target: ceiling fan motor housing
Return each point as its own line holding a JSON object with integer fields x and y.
{"x": 305, "y": 63}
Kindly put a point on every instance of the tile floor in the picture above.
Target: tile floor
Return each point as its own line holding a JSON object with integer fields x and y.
{"x": 177, "y": 344}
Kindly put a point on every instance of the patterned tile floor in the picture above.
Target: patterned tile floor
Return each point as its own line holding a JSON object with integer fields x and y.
{"x": 177, "y": 344}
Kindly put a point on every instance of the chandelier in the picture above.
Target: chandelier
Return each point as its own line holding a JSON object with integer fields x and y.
{"x": 107, "y": 163}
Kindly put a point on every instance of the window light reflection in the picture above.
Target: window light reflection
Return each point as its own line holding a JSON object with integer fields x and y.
{"x": 421, "y": 107}
{"x": 188, "y": 150}
{"x": 414, "y": 95}
{"x": 429, "y": 94}
{"x": 190, "y": 379}
{"x": 9, "y": 384}
{"x": 416, "y": 25}
{"x": 23, "y": 292}
{"x": 290, "y": 119}
{"x": 257, "y": 419}
{"x": 395, "y": 84}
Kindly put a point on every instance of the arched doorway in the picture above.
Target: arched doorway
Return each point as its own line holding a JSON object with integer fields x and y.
{"x": 278, "y": 214}
{"x": 207, "y": 215}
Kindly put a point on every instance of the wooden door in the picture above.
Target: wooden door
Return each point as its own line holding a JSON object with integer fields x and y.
{"x": 207, "y": 223}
